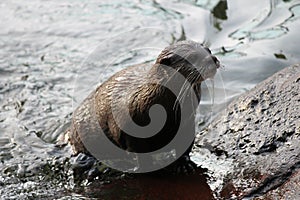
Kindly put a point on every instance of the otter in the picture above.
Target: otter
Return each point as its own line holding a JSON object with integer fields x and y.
{"x": 135, "y": 90}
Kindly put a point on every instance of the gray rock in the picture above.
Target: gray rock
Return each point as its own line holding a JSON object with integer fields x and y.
{"x": 257, "y": 138}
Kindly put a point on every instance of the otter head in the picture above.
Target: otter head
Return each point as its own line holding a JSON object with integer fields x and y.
{"x": 191, "y": 59}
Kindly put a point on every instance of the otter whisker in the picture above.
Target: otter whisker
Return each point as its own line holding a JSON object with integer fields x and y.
{"x": 171, "y": 76}
{"x": 184, "y": 89}
{"x": 187, "y": 86}
{"x": 183, "y": 93}
{"x": 212, "y": 94}
{"x": 194, "y": 104}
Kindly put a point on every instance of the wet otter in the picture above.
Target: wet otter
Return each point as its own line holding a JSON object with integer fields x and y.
{"x": 135, "y": 90}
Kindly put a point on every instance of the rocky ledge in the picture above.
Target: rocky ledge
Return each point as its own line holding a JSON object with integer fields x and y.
{"x": 252, "y": 149}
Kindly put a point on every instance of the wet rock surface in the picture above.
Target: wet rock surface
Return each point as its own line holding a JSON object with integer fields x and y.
{"x": 252, "y": 149}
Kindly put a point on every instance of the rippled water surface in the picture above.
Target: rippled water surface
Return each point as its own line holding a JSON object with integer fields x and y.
{"x": 44, "y": 46}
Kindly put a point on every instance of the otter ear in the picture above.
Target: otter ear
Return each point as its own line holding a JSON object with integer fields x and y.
{"x": 166, "y": 60}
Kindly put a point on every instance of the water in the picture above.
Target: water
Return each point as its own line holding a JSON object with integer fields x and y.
{"x": 43, "y": 44}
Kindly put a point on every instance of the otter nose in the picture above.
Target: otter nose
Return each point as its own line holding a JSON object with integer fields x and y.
{"x": 217, "y": 62}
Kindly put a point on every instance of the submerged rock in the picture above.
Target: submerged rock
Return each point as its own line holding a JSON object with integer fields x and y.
{"x": 258, "y": 136}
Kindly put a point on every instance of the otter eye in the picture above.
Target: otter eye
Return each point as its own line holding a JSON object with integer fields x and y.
{"x": 207, "y": 49}
{"x": 215, "y": 59}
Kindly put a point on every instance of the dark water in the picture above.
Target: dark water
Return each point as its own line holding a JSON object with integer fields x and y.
{"x": 44, "y": 46}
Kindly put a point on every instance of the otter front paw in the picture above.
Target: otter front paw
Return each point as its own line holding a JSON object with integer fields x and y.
{"x": 83, "y": 166}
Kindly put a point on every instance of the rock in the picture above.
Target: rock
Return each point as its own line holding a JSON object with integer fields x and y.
{"x": 289, "y": 190}
{"x": 258, "y": 139}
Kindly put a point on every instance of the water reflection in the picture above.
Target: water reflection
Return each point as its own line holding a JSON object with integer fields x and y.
{"x": 254, "y": 29}
{"x": 295, "y": 12}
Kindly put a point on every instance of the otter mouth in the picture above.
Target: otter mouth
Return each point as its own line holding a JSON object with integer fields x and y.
{"x": 198, "y": 81}
{"x": 210, "y": 72}
{"x": 211, "y": 75}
